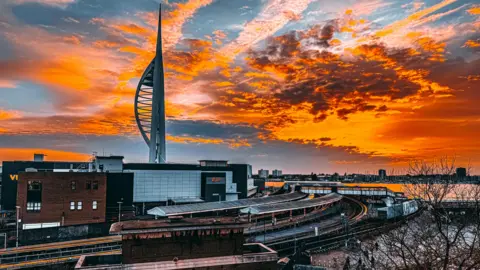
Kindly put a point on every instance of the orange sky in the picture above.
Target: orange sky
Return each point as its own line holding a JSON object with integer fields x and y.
{"x": 366, "y": 84}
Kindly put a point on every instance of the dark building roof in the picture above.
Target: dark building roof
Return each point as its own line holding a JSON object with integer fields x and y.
{"x": 109, "y": 157}
{"x": 280, "y": 207}
{"x": 177, "y": 166}
{"x": 257, "y": 257}
{"x": 176, "y": 210}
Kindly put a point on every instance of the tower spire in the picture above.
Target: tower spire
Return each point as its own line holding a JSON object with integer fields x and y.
{"x": 150, "y": 103}
{"x": 157, "y": 131}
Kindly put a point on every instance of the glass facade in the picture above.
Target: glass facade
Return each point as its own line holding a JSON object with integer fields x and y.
{"x": 155, "y": 185}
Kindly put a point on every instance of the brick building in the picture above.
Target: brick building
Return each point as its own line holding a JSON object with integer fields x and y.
{"x": 49, "y": 199}
{"x": 177, "y": 243}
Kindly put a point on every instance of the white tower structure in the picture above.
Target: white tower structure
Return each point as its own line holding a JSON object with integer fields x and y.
{"x": 150, "y": 103}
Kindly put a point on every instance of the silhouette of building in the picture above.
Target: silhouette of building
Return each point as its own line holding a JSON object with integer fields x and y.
{"x": 263, "y": 173}
{"x": 382, "y": 174}
{"x": 461, "y": 172}
{"x": 277, "y": 173}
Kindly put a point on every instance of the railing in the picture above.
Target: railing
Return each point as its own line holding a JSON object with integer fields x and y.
{"x": 16, "y": 258}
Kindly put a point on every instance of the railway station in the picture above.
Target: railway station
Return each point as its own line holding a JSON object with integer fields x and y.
{"x": 233, "y": 206}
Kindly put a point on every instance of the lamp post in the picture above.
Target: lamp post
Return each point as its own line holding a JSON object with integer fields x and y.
{"x": 345, "y": 224}
{"x": 295, "y": 231}
{"x": 264, "y": 230}
{"x": 18, "y": 220}
{"x": 219, "y": 198}
{"x": 119, "y": 211}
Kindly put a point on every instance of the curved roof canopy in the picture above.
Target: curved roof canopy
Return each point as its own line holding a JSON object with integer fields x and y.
{"x": 286, "y": 206}
{"x": 175, "y": 210}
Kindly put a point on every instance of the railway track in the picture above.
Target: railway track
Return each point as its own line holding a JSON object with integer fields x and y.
{"x": 283, "y": 246}
{"x": 64, "y": 251}
{"x": 317, "y": 244}
{"x": 52, "y": 261}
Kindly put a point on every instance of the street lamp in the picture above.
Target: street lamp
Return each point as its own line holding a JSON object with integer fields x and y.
{"x": 219, "y": 198}
{"x": 119, "y": 211}
{"x": 345, "y": 224}
{"x": 18, "y": 220}
{"x": 295, "y": 231}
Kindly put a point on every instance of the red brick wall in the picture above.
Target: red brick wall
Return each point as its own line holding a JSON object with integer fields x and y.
{"x": 57, "y": 195}
{"x": 183, "y": 247}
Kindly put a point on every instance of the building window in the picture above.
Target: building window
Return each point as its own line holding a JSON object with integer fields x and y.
{"x": 74, "y": 185}
{"x": 79, "y": 206}
{"x": 94, "y": 205}
{"x": 95, "y": 185}
{"x": 34, "y": 206}
{"x": 72, "y": 205}
{"x": 34, "y": 185}
{"x": 89, "y": 184}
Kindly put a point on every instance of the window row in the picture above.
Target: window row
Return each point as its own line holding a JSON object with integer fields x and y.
{"x": 89, "y": 185}
{"x": 34, "y": 206}
{"x": 80, "y": 205}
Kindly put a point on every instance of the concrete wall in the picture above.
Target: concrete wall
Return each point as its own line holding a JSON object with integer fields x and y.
{"x": 183, "y": 245}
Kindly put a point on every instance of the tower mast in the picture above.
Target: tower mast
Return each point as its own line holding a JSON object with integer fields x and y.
{"x": 157, "y": 131}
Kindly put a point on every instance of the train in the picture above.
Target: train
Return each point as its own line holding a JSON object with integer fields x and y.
{"x": 398, "y": 210}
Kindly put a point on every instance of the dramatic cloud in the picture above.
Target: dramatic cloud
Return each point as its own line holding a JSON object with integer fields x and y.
{"x": 272, "y": 18}
{"x": 56, "y": 3}
{"x": 373, "y": 83}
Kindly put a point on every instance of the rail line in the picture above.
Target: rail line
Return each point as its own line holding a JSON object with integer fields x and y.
{"x": 60, "y": 250}
{"x": 57, "y": 260}
{"x": 64, "y": 252}
{"x": 356, "y": 216}
{"x": 314, "y": 245}
{"x": 60, "y": 245}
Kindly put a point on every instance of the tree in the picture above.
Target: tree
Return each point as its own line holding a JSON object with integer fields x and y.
{"x": 447, "y": 233}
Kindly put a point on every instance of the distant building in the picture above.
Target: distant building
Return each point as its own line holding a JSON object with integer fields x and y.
{"x": 382, "y": 174}
{"x": 277, "y": 173}
{"x": 263, "y": 173}
{"x": 461, "y": 172}
{"x": 38, "y": 157}
{"x": 260, "y": 184}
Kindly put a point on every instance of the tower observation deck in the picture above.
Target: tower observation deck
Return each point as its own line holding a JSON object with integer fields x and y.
{"x": 150, "y": 103}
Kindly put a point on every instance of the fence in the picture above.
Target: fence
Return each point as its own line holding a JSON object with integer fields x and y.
{"x": 57, "y": 234}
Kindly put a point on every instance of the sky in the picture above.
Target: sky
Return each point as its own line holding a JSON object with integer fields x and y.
{"x": 298, "y": 85}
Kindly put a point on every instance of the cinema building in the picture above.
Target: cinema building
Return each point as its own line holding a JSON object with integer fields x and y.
{"x": 69, "y": 193}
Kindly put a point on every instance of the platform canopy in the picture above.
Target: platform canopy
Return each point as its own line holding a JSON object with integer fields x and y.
{"x": 286, "y": 206}
{"x": 178, "y": 210}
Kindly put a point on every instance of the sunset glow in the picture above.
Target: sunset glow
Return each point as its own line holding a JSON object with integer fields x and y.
{"x": 303, "y": 86}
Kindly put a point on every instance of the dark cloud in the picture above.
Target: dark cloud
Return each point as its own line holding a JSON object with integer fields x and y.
{"x": 210, "y": 129}
{"x": 331, "y": 83}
